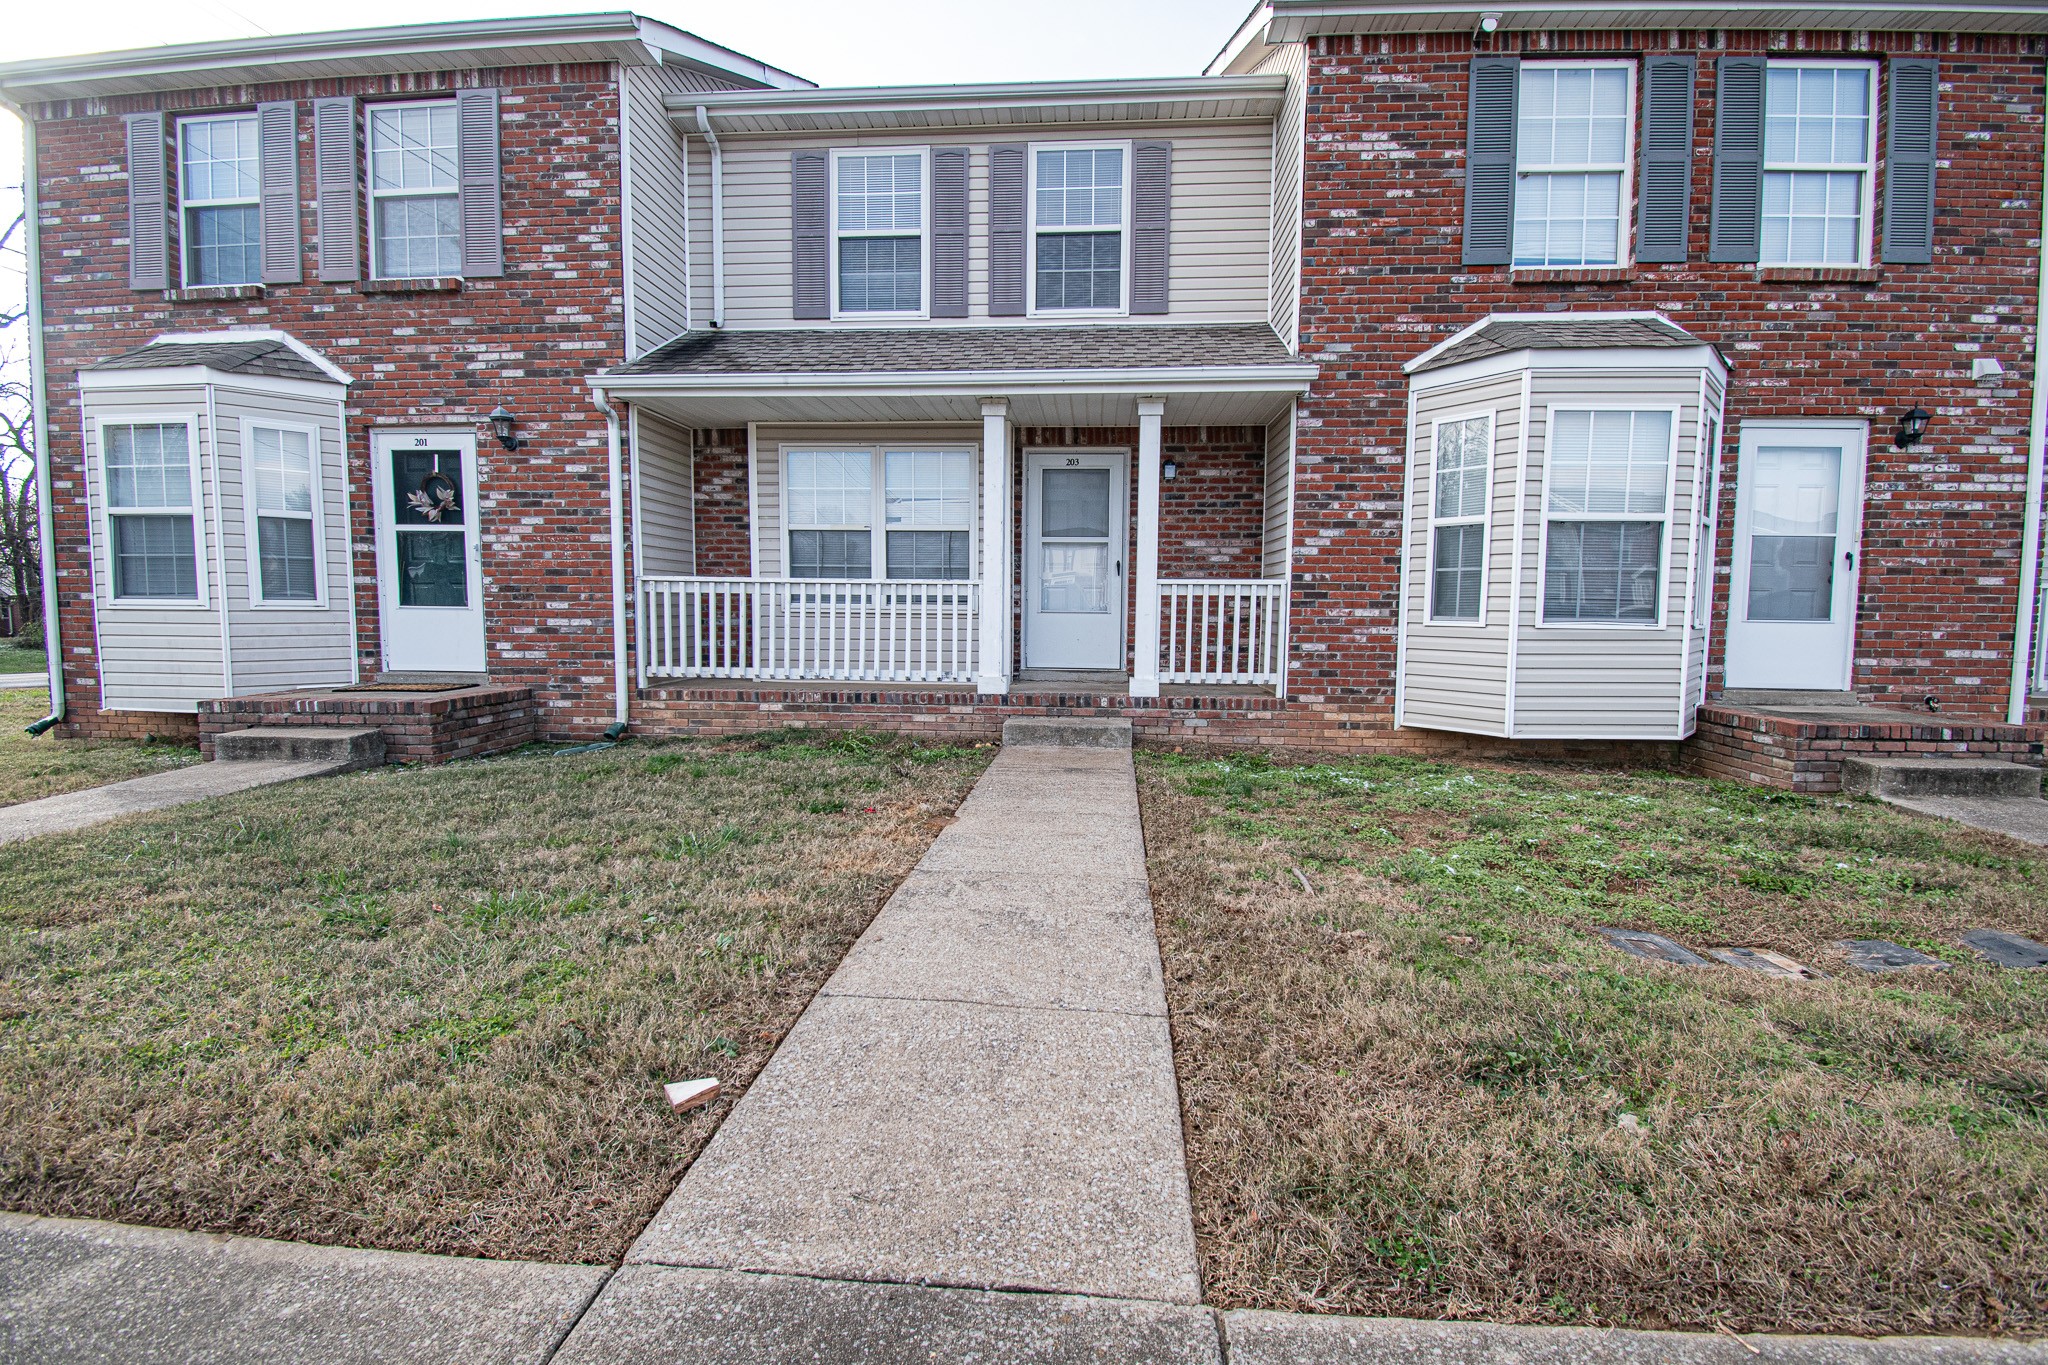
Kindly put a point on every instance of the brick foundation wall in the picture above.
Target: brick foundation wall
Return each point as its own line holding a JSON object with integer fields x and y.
{"x": 1806, "y": 756}
{"x": 167, "y": 727}
{"x": 429, "y": 729}
{"x": 419, "y": 359}
{"x": 1381, "y": 282}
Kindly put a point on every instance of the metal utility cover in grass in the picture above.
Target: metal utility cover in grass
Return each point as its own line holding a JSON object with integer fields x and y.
{"x": 2007, "y": 950}
{"x": 1765, "y": 961}
{"x": 1655, "y": 947}
{"x": 1881, "y": 955}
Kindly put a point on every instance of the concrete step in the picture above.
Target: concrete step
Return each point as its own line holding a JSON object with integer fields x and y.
{"x": 357, "y": 746}
{"x": 1884, "y": 776}
{"x": 1075, "y": 732}
{"x": 1763, "y": 696}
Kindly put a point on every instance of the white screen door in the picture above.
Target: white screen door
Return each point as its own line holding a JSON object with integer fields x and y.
{"x": 429, "y": 565}
{"x": 1074, "y": 527}
{"x": 1798, "y": 534}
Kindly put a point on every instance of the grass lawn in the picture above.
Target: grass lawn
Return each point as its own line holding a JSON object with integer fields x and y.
{"x": 1408, "y": 1091}
{"x": 46, "y": 766}
{"x": 433, "y": 1009}
{"x": 17, "y": 660}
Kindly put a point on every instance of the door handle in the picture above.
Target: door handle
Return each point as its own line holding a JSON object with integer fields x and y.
{"x": 1849, "y": 558}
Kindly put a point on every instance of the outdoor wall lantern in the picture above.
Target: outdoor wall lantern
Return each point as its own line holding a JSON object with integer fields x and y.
{"x": 1912, "y": 426}
{"x": 502, "y": 423}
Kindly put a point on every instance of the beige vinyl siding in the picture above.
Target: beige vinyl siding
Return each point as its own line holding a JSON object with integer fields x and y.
{"x": 1703, "y": 484}
{"x": 153, "y": 657}
{"x": 1220, "y": 231}
{"x": 1613, "y": 682}
{"x": 1455, "y": 677}
{"x": 1290, "y": 136}
{"x": 271, "y": 646}
{"x": 767, "y": 476}
{"x": 657, "y": 275}
{"x": 1279, "y": 508}
{"x": 668, "y": 513}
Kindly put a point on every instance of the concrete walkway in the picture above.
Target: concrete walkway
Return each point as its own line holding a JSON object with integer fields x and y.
{"x": 983, "y": 1094}
{"x": 97, "y": 805}
{"x": 15, "y": 682}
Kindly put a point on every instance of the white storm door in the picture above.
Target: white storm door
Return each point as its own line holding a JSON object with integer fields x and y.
{"x": 429, "y": 564}
{"x": 1798, "y": 535}
{"x": 1074, "y": 529}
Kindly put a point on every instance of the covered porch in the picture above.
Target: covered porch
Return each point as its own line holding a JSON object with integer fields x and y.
{"x": 1066, "y": 526}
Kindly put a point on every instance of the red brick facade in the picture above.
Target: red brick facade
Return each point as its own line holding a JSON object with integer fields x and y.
{"x": 435, "y": 728}
{"x": 724, "y": 532}
{"x": 418, "y": 357}
{"x": 1382, "y": 281}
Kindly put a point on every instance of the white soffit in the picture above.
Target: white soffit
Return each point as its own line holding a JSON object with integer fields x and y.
{"x": 1213, "y": 99}
{"x": 1294, "y": 20}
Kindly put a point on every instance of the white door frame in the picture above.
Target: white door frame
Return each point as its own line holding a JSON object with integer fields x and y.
{"x": 460, "y": 630}
{"x": 1040, "y": 457}
{"x": 1745, "y": 640}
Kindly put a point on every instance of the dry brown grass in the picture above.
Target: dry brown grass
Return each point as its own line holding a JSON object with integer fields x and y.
{"x": 1404, "y": 1093}
{"x": 32, "y": 768}
{"x": 432, "y": 1010}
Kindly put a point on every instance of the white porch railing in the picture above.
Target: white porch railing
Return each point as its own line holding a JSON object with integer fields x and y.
{"x": 1215, "y": 630}
{"x": 853, "y": 630}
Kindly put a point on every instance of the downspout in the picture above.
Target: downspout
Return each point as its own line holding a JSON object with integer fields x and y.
{"x": 717, "y": 218}
{"x": 46, "y": 532}
{"x": 2030, "y": 536}
{"x": 622, "y": 698}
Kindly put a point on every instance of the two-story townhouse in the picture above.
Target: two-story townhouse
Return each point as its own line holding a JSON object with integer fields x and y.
{"x": 281, "y": 289}
{"x": 1677, "y": 368}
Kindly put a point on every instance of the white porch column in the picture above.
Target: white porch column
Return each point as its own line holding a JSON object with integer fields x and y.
{"x": 1145, "y": 637}
{"x": 992, "y": 672}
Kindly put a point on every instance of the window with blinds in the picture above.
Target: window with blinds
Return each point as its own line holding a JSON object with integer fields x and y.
{"x": 870, "y": 512}
{"x": 1573, "y": 144}
{"x": 219, "y": 200}
{"x": 880, "y": 221}
{"x": 415, "y": 191}
{"x": 1079, "y": 204}
{"x": 1819, "y": 140}
{"x": 152, "y": 522}
{"x": 1606, "y": 506}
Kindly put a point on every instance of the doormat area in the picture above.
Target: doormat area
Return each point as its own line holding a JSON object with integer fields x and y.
{"x": 405, "y": 687}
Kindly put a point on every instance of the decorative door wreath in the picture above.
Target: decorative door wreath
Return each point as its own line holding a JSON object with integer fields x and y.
{"x": 435, "y": 497}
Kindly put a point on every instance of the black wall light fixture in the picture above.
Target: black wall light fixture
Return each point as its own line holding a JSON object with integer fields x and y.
{"x": 502, "y": 423}
{"x": 1912, "y": 426}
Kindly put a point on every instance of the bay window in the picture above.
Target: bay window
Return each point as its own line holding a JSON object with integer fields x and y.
{"x": 1819, "y": 140}
{"x": 220, "y": 220}
{"x": 880, "y": 513}
{"x": 152, "y": 511}
{"x": 1574, "y": 131}
{"x": 880, "y": 222}
{"x": 415, "y": 195}
{"x": 1079, "y": 202}
{"x": 1460, "y": 477}
{"x": 1606, "y": 500}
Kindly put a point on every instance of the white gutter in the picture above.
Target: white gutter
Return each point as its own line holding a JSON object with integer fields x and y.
{"x": 1108, "y": 97}
{"x": 944, "y": 384}
{"x": 2030, "y": 535}
{"x": 46, "y": 529}
{"x": 717, "y": 219}
{"x": 622, "y": 697}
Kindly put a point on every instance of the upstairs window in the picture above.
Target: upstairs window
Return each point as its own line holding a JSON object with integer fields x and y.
{"x": 283, "y": 493}
{"x": 152, "y": 524}
{"x": 415, "y": 214}
{"x": 217, "y": 196}
{"x": 879, "y": 228}
{"x": 921, "y": 500}
{"x": 1605, "y": 508}
{"x": 1458, "y": 501}
{"x": 1819, "y": 136}
{"x": 1573, "y": 134}
{"x": 1079, "y": 206}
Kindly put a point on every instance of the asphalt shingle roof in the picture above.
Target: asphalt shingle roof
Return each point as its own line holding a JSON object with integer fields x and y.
{"x": 1561, "y": 333}
{"x": 915, "y": 350}
{"x": 264, "y": 356}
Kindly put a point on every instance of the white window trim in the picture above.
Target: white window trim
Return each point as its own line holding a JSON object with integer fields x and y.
{"x": 1867, "y": 227}
{"x": 924, "y": 230}
{"x": 1624, "y": 238}
{"x": 1484, "y": 521}
{"x": 1031, "y": 308}
{"x": 877, "y": 527}
{"x": 254, "y": 201}
{"x": 371, "y": 194}
{"x": 197, "y": 511}
{"x": 1544, "y": 518}
{"x": 251, "y": 544}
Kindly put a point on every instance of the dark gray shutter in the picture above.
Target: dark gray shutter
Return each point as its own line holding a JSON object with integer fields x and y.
{"x": 1006, "y": 230}
{"x": 1909, "y": 156}
{"x": 1490, "y": 161}
{"x": 149, "y": 204}
{"x": 1151, "y": 215}
{"x": 810, "y": 256}
{"x": 277, "y": 175}
{"x": 949, "y": 232}
{"x": 1664, "y": 212}
{"x": 1737, "y": 231}
{"x": 478, "y": 178}
{"x": 334, "y": 190}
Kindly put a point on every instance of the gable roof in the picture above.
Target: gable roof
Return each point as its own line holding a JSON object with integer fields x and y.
{"x": 1293, "y": 20}
{"x": 964, "y": 350}
{"x": 1506, "y": 332}
{"x": 267, "y": 355}
{"x": 465, "y": 45}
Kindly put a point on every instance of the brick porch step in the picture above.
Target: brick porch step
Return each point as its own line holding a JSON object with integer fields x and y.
{"x": 1067, "y": 732}
{"x": 359, "y": 747}
{"x": 1888, "y": 776}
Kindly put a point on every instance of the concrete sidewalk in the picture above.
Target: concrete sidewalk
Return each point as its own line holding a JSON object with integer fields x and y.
{"x": 983, "y": 1094}
{"x": 97, "y": 805}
